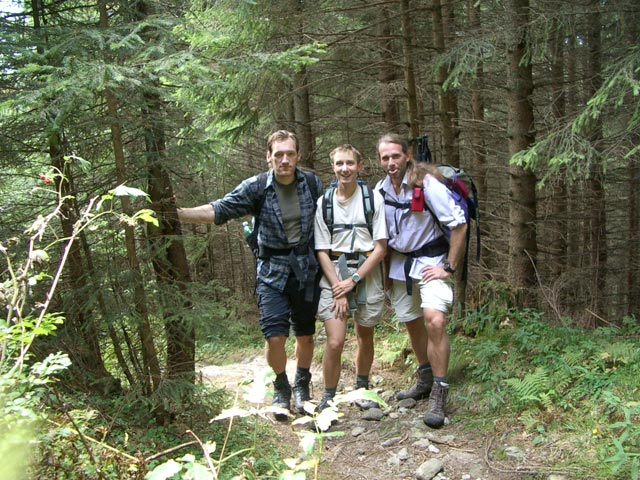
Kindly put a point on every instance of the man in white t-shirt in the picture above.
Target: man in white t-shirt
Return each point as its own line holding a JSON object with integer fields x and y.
{"x": 421, "y": 262}
{"x": 350, "y": 255}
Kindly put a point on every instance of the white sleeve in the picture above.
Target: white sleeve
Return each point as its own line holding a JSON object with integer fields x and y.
{"x": 322, "y": 237}
{"x": 441, "y": 201}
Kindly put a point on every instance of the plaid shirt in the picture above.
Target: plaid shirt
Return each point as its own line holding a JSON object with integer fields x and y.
{"x": 243, "y": 200}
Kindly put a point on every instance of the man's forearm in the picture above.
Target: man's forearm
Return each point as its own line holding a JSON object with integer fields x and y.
{"x": 201, "y": 214}
{"x": 456, "y": 244}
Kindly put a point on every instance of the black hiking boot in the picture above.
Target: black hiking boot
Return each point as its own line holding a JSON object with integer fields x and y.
{"x": 434, "y": 417}
{"x": 281, "y": 398}
{"x": 301, "y": 390}
{"x": 420, "y": 389}
{"x": 324, "y": 403}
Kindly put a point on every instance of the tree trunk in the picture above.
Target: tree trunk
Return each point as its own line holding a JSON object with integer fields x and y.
{"x": 168, "y": 254}
{"x": 559, "y": 230}
{"x": 596, "y": 177}
{"x": 478, "y": 142}
{"x": 302, "y": 111}
{"x": 387, "y": 75}
{"x": 151, "y": 377}
{"x": 522, "y": 209}
{"x": 442, "y": 15}
{"x": 409, "y": 72}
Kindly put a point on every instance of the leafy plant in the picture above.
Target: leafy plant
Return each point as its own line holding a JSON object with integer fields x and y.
{"x": 627, "y": 445}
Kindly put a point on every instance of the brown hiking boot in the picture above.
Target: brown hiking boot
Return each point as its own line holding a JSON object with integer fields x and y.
{"x": 434, "y": 417}
{"x": 301, "y": 391}
{"x": 420, "y": 389}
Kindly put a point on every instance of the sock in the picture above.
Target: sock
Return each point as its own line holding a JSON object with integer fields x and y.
{"x": 362, "y": 381}
{"x": 440, "y": 380}
{"x": 330, "y": 392}
{"x": 425, "y": 367}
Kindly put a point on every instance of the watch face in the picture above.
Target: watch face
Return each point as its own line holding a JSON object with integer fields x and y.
{"x": 355, "y": 277}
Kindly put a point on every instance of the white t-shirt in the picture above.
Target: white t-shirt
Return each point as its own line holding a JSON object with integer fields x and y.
{"x": 350, "y": 211}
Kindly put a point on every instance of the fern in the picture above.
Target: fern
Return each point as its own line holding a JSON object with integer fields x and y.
{"x": 532, "y": 389}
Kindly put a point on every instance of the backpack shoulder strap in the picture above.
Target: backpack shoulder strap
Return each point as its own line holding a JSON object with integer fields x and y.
{"x": 368, "y": 204}
{"x": 312, "y": 182}
{"x": 327, "y": 207}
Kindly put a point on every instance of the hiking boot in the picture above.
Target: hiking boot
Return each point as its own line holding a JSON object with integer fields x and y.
{"x": 281, "y": 398}
{"x": 301, "y": 391}
{"x": 420, "y": 389}
{"x": 434, "y": 417}
{"x": 324, "y": 403}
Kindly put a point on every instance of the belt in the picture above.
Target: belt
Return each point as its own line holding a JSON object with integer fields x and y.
{"x": 434, "y": 248}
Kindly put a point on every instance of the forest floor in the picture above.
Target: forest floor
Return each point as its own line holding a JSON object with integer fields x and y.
{"x": 397, "y": 445}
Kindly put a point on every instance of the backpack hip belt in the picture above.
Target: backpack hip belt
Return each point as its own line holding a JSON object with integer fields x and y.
{"x": 434, "y": 248}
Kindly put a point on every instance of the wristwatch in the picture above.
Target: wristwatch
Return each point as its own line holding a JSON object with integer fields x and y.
{"x": 448, "y": 268}
{"x": 355, "y": 277}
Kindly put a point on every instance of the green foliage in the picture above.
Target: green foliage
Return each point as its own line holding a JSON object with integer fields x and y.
{"x": 569, "y": 146}
{"x": 557, "y": 379}
{"x": 626, "y": 446}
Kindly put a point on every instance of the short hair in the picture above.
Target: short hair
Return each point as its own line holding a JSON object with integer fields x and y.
{"x": 393, "y": 138}
{"x": 280, "y": 135}
{"x": 347, "y": 147}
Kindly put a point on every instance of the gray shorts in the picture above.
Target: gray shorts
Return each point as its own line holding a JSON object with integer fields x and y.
{"x": 368, "y": 314}
{"x": 436, "y": 294}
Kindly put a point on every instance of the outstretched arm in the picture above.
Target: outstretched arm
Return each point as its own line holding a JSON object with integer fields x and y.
{"x": 201, "y": 214}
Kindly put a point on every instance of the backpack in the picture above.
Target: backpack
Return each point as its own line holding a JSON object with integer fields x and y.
{"x": 252, "y": 237}
{"x": 368, "y": 205}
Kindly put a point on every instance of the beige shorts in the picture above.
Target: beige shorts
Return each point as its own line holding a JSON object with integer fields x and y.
{"x": 436, "y": 294}
{"x": 367, "y": 315}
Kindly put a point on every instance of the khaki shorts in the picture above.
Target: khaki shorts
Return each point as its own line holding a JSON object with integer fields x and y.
{"x": 436, "y": 294}
{"x": 367, "y": 315}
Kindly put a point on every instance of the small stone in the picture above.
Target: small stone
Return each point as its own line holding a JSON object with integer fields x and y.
{"x": 391, "y": 441}
{"x": 403, "y": 454}
{"x": 374, "y": 414}
{"x": 356, "y": 432}
{"x": 393, "y": 461}
{"x": 429, "y": 469}
{"x": 433, "y": 449}
{"x": 422, "y": 443}
{"x": 514, "y": 453}
{"x": 466, "y": 476}
{"x": 407, "y": 403}
{"x": 441, "y": 439}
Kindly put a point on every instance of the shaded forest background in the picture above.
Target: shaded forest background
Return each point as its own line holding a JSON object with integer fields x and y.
{"x": 537, "y": 100}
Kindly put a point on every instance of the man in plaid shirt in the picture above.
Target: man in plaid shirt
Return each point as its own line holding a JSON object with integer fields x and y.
{"x": 287, "y": 271}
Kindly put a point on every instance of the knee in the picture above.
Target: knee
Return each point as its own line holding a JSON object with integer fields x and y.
{"x": 305, "y": 340}
{"x": 436, "y": 323}
{"x": 335, "y": 345}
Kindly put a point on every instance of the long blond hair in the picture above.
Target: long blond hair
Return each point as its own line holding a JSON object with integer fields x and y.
{"x": 417, "y": 171}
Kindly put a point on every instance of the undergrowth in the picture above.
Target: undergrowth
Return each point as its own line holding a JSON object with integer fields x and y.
{"x": 561, "y": 383}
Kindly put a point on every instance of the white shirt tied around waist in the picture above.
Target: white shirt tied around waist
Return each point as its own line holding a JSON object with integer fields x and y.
{"x": 409, "y": 231}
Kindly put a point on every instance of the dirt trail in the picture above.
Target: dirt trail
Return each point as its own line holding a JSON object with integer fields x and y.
{"x": 396, "y": 446}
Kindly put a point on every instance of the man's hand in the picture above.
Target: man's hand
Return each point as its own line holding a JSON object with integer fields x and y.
{"x": 340, "y": 307}
{"x": 433, "y": 272}
{"x": 342, "y": 288}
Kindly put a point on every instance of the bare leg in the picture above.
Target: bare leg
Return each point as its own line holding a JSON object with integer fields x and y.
{"x": 331, "y": 362}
